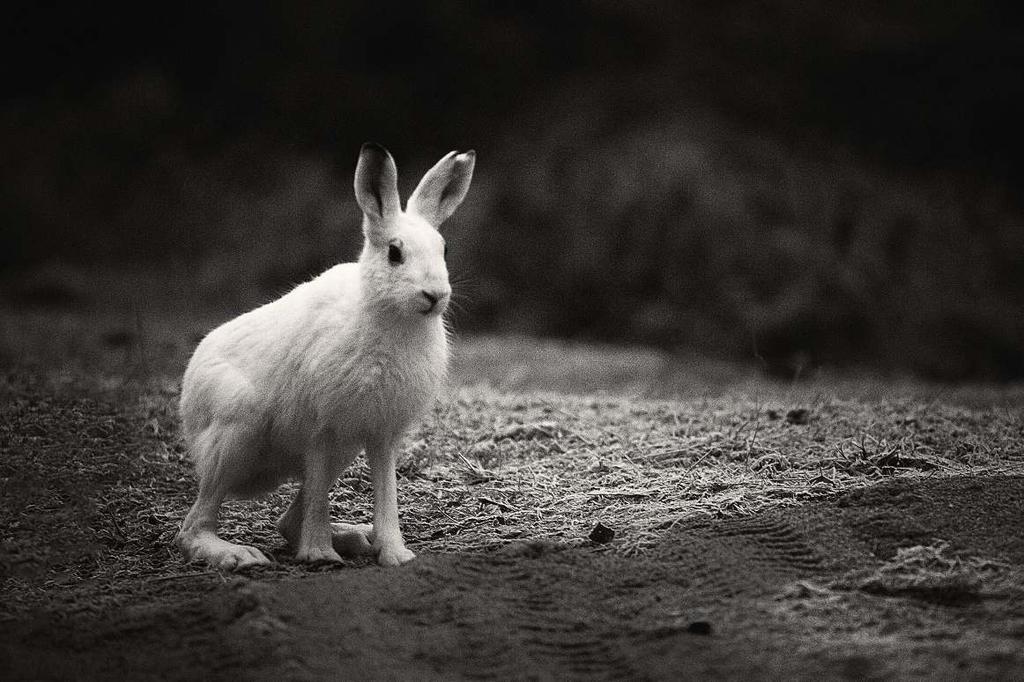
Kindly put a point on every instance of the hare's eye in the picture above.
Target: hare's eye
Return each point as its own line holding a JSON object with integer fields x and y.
{"x": 395, "y": 254}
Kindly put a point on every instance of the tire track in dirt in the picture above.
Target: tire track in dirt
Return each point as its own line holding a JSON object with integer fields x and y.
{"x": 549, "y": 621}
{"x": 729, "y": 558}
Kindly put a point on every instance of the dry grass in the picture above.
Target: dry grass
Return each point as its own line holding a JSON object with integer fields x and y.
{"x": 489, "y": 469}
{"x": 551, "y": 467}
{"x": 930, "y": 573}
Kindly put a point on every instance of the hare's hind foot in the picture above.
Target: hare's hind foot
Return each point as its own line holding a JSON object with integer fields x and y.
{"x": 346, "y": 540}
{"x": 218, "y": 553}
{"x": 318, "y": 555}
{"x": 352, "y": 540}
{"x": 198, "y": 539}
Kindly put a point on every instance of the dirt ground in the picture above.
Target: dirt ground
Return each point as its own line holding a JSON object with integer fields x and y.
{"x": 908, "y": 563}
{"x": 795, "y": 593}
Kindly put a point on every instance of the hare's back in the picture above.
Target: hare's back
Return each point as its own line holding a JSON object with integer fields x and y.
{"x": 260, "y": 348}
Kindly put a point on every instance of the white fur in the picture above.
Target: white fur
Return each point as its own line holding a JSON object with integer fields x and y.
{"x": 345, "y": 362}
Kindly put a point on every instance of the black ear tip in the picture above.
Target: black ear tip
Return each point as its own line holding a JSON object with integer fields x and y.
{"x": 374, "y": 147}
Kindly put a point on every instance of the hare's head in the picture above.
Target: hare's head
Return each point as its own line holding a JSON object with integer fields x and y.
{"x": 403, "y": 256}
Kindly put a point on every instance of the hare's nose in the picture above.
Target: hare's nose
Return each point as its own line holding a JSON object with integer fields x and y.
{"x": 432, "y": 297}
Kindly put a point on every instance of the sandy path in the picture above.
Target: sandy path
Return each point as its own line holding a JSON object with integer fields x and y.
{"x": 796, "y": 592}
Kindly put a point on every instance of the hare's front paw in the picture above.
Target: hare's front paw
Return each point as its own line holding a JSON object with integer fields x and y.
{"x": 317, "y": 555}
{"x": 394, "y": 555}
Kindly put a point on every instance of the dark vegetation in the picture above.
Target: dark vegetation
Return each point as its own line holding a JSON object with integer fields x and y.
{"x": 799, "y": 183}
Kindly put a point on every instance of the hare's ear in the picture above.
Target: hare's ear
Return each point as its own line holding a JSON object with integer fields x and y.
{"x": 443, "y": 188}
{"x": 376, "y": 183}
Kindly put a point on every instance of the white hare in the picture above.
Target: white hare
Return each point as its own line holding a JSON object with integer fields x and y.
{"x": 345, "y": 362}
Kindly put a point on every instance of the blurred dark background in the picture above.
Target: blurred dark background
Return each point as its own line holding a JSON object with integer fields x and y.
{"x": 794, "y": 182}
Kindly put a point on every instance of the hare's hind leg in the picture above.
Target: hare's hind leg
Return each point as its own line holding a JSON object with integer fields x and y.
{"x": 217, "y": 448}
